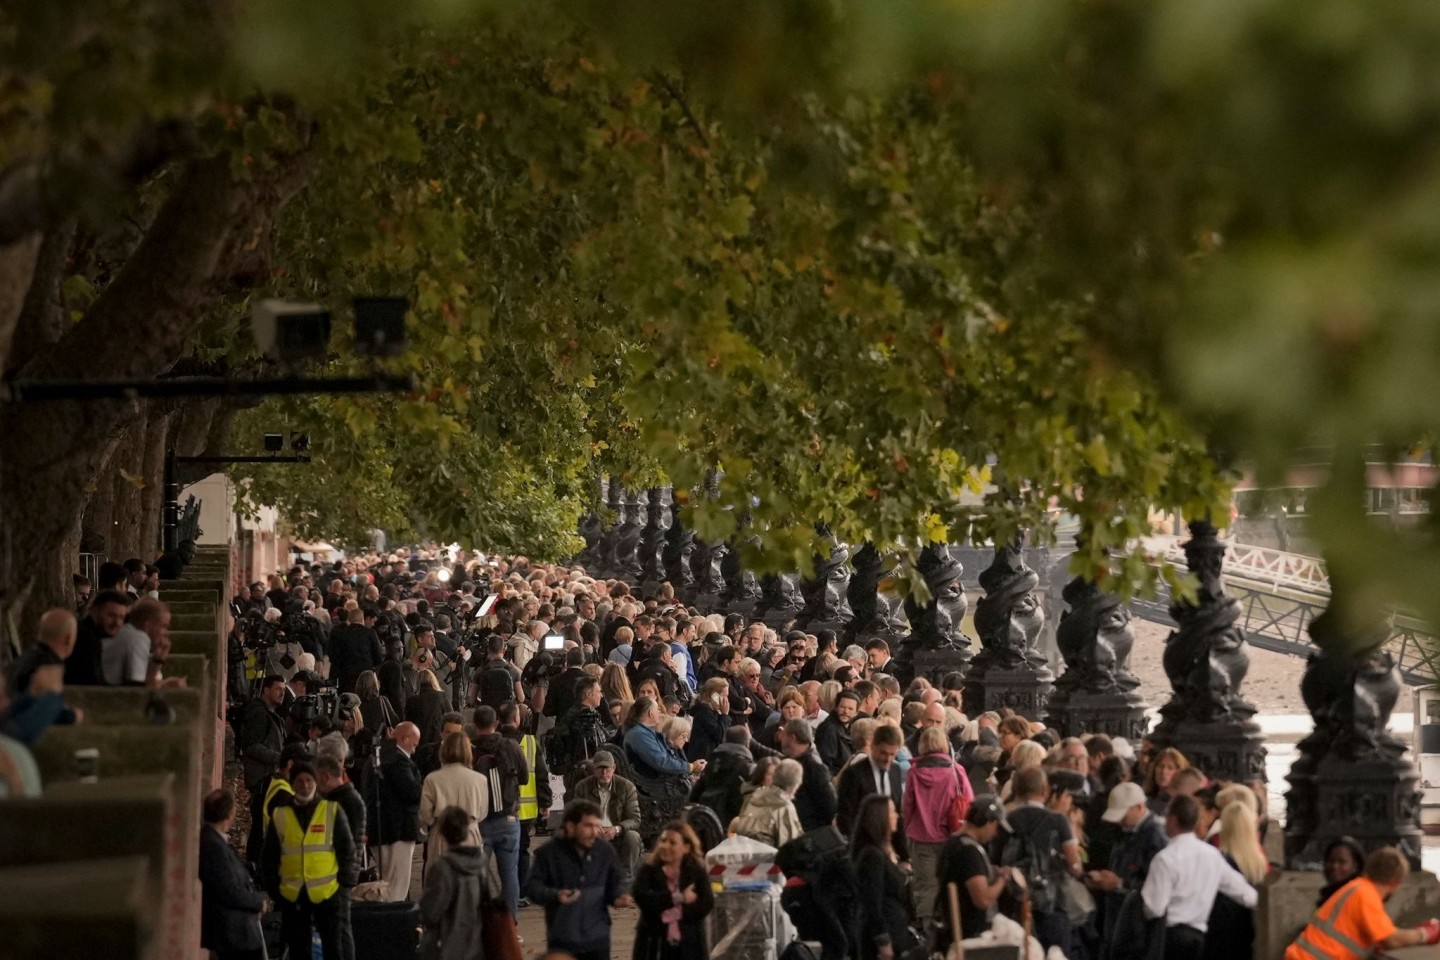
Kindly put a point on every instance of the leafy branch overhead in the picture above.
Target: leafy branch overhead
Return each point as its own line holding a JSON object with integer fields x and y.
{"x": 915, "y": 271}
{"x": 609, "y": 279}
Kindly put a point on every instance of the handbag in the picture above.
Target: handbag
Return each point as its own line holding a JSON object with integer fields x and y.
{"x": 497, "y": 931}
{"x": 959, "y": 810}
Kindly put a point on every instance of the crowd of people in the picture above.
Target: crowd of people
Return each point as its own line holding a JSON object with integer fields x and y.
{"x": 415, "y": 711}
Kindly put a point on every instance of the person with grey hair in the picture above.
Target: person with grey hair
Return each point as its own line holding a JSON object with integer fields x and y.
{"x": 815, "y": 800}
{"x": 769, "y": 815}
{"x": 524, "y": 644}
{"x": 855, "y": 656}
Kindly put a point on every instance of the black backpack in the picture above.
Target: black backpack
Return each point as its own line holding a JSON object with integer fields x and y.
{"x": 1036, "y": 865}
{"x": 497, "y": 684}
{"x": 705, "y": 824}
{"x": 498, "y": 768}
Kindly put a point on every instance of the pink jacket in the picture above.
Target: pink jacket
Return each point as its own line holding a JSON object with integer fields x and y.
{"x": 934, "y": 782}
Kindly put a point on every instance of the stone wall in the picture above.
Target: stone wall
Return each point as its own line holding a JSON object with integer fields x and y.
{"x": 110, "y": 868}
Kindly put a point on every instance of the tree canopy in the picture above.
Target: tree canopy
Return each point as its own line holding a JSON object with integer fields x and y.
{"x": 860, "y": 258}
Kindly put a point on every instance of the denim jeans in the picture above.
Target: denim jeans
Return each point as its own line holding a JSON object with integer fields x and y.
{"x": 502, "y": 837}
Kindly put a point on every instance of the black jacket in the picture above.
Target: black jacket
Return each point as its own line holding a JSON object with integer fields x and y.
{"x": 397, "y": 818}
{"x": 83, "y": 667}
{"x": 560, "y": 695}
{"x": 719, "y": 786}
{"x": 832, "y": 742}
{"x": 354, "y": 806}
{"x": 512, "y": 768}
{"x": 884, "y": 905}
{"x": 354, "y": 648}
{"x": 424, "y": 709}
{"x": 707, "y": 731}
{"x": 262, "y": 735}
{"x": 856, "y": 783}
{"x": 229, "y": 903}
{"x": 815, "y": 800}
{"x": 584, "y": 926}
{"x": 653, "y": 897}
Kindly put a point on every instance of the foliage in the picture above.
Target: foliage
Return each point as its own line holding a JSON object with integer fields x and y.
{"x": 607, "y": 278}
{"x": 888, "y": 266}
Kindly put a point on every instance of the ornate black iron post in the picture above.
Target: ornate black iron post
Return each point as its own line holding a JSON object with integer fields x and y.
{"x": 1206, "y": 718}
{"x": 1008, "y": 671}
{"x": 679, "y": 544}
{"x": 627, "y": 541}
{"x": 876, "y": 612}
{"x": 615, "y": 504}
{"x": 936, "y": 645}
{"x": 652, "y": 541}
{"x": 779, "y": 600}
{"x": 1097, "y": 693}
{"x": 826, "y": 605}
{"x": 742, "y": 589}
{"x": 1351, "y": 778}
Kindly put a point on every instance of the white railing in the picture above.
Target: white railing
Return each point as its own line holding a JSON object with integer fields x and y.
{"x": 1263, "y": 565}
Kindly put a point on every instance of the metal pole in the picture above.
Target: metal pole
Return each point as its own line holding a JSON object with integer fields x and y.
{"x": 42, "y": 391}
{"x": 170, "y": 525}
{"x": 224, "y": 460}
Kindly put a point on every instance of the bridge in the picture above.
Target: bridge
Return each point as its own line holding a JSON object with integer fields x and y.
{"x": 1280, "y": 594}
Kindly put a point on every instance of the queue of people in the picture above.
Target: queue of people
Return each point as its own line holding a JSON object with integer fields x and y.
{"x": 436, "y": 759}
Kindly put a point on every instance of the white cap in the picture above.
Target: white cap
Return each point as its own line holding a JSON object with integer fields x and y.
{"x": 1122, "y": 798}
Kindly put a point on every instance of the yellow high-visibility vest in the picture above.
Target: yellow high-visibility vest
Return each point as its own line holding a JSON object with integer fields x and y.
{"x": 529, "y": 805}
{"x": 278, "y": 785}
{"x": 307, "y": 856}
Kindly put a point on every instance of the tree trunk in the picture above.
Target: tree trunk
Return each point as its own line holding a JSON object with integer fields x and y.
{"x": 98, "y": 526}
{"x": 210, "y": 231}
{"x": 157, "y": 438}
{"x": 17, "y": 267}
{"x": 127, "y": 475}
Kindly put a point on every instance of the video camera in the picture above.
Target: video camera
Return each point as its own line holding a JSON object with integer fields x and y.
{"x": 322, "y": 698}
{"x": 255, "y": 633}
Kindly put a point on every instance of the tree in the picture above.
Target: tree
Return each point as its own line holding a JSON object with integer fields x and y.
{"x": 609, "y": 275}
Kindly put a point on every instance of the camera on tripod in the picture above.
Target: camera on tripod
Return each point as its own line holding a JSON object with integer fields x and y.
{"x": 321, "y": 699}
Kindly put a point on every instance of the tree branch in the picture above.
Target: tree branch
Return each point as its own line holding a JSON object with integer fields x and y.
{"x": 208, "y": 230}
{"x": 28, "y": 200}
{"x": 43, "y": 317}
{"x": 679, "y": 97}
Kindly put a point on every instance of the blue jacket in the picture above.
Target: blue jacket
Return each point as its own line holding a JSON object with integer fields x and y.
{"x": 651, "y": 755}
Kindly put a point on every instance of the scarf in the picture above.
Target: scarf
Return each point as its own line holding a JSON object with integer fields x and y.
{"x": 671, "y": 917}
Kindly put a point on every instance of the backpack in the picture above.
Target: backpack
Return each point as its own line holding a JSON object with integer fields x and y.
{"x": 1034, "y": 863}
{"x": 705, "y": 824}
{"x": 498, "y": 768}
{"x": 497, "y": 685}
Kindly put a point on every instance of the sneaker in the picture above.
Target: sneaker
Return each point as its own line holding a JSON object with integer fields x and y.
{"x": 524, "y": 902}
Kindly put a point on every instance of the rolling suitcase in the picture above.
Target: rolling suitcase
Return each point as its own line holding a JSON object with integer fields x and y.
{"x": 385, "y": 931}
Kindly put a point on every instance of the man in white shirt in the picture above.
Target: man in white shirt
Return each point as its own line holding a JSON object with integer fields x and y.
{"x": 135, "y": 655}
{"x": 813, "y": 713}
{"x": 1183, "y": 881}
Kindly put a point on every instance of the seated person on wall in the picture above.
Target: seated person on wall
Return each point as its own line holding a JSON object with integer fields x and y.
{"x": 37, "y": 680}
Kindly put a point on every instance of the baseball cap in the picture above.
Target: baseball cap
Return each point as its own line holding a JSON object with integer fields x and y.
{"x": 1122, "y": 798}
{"x": 986, "y": 809}
{"x": 602, "y": 759}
